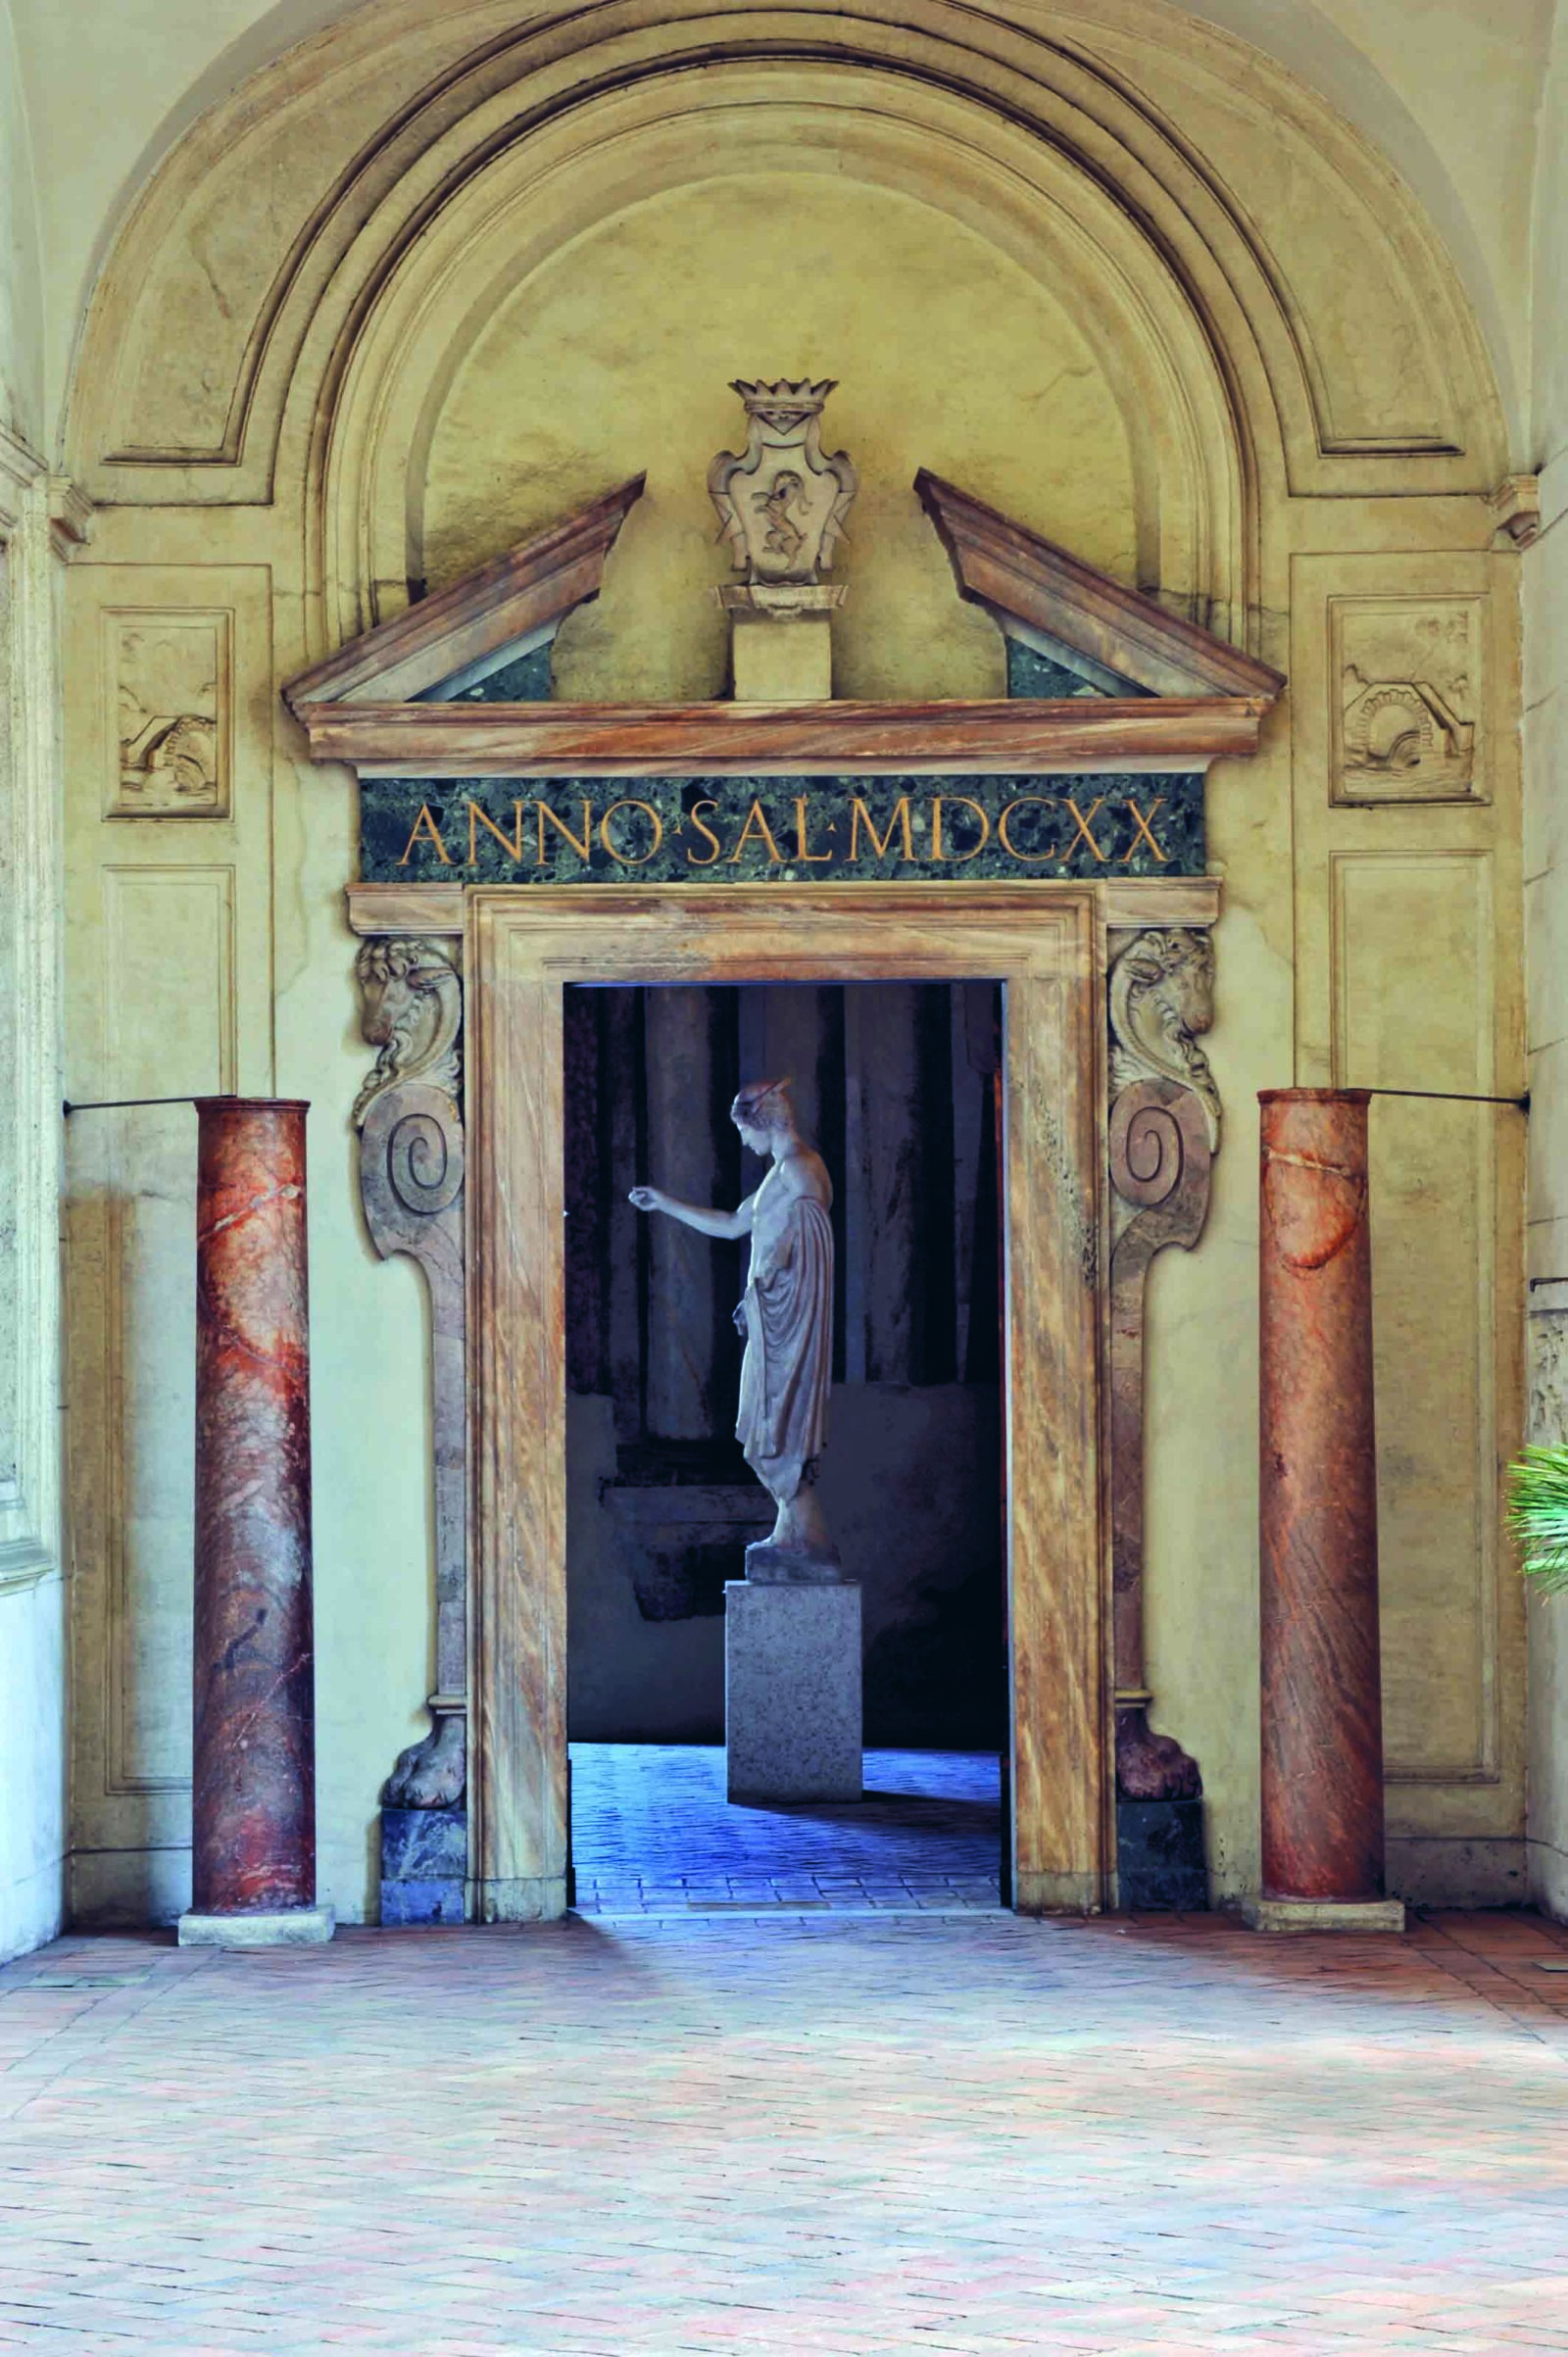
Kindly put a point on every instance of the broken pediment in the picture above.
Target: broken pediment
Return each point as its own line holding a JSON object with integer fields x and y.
{"x": 490, "y": 630}
{"x": 1101, "y": 680}
{"x": 1064, "y": 620}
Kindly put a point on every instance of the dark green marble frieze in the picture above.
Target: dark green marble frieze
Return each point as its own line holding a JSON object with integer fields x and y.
{"x": 1032, "y": 674}
{"x": 525, "y": 679}
{"x": 782, "y": 830}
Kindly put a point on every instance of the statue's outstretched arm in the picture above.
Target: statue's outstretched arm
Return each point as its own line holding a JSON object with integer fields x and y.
{"x": 724, "y": 1225}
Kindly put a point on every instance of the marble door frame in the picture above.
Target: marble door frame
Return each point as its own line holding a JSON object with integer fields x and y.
{"x": 1047, "y": 943}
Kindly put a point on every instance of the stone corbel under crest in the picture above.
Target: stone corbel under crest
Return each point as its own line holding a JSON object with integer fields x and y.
{"x": 1164, "y": 1132}
{"x": 408, "y": 1113}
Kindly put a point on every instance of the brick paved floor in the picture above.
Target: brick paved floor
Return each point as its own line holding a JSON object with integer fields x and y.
{"x": 820, "y": 2132}
{"x": 653, "y": 1832}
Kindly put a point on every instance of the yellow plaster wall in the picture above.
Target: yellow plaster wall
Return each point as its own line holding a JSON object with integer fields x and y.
{"x": 32, "y": 1587}
{"x": 1545, "y": 744}
{"x": 1448, "y": 94}
{"x": 617, "y": 354}
{"x": 612, "y": 353}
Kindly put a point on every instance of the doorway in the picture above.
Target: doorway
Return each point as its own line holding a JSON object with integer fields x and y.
{"x": 525, "y": 945}
{"x": 897, "y": 1085}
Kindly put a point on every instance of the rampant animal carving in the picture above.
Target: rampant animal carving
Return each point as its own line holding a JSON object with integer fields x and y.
{"x": 413, "y": 1011}
{"x": 782, "y": 501}
{"x": 1162, "y": 997}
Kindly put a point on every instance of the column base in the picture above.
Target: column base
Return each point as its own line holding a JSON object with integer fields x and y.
{"x": 1323, "y": 1914}
{"x": 792, "y": 1690}
{"x": 289, "y": 1927}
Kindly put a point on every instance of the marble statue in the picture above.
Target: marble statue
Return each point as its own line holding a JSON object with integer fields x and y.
{"x": 786, "y": 1316}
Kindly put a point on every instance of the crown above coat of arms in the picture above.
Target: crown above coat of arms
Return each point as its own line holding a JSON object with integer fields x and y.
{"x": 802, "y": 399}
{"x": 782, "y": 501}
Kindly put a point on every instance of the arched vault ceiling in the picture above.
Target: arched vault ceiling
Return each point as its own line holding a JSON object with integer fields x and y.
{"x": 1447, "y": 96}
{"x": 1450, "y": 95}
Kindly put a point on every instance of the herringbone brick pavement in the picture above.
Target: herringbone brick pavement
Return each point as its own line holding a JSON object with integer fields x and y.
{"x": 810, "y": 2132}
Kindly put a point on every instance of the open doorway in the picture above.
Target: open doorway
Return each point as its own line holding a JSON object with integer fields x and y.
{"x": 897, "y": 1085}
{"x": 524, "y": 946}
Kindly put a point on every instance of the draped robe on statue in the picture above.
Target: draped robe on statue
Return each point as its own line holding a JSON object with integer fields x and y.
{"x": 787, "y": 1318}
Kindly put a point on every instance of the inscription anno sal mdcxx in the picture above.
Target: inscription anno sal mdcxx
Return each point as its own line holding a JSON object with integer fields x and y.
{"x": 780, "y": 829}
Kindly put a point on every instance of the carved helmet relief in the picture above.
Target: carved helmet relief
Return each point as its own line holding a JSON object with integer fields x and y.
{"x": 1162, "y": 997}
{"x": 412, "y": 1012}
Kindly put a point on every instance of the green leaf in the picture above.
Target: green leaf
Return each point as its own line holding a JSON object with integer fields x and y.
{"x": 1538, "y": 1516}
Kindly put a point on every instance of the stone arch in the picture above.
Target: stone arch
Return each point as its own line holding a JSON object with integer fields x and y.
{"x": 219, "y": 327}
{"x": 1187, "y": 448}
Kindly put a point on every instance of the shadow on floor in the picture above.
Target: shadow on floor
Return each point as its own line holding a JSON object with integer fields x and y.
{"x": 652, "y": 1829}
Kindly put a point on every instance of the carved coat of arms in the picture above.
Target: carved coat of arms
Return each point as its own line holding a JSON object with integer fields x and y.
{"x": 783, "y": 500}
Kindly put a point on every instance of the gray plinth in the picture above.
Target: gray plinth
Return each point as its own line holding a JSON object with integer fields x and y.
{"x": 290, "y": 1927}
{"x": 792, "y": 1690}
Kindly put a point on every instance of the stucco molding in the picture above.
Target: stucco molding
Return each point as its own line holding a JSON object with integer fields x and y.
{"x": 364, "y": 188}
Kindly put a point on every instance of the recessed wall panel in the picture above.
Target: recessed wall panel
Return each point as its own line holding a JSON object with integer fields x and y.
{"x": 169, "y": 936}
{"x": 1412, "y": 959}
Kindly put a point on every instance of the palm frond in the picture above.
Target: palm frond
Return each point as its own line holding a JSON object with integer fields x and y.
{"x": 1538, "y": 1516}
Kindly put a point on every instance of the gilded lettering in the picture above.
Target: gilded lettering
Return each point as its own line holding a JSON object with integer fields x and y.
{"x": 581, "y": 849}
{"x": 880, "y": 843}
{"x": 1142, "y": 827}
{"x": 1047, "y": 802}
{"x": 757, "y": 817}
{"x": 706, "y": 831}
{"x": 806, "y": 856}
{"x": 956, "y": 858}
{"x": 425, "y": 824}
{"x": 623, "y": 858}
{"x": 1082, "y": 824}
{"x": 512, "y": 845}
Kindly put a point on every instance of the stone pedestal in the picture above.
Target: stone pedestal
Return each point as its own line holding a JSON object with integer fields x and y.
{"x": 253, "y": 1783}
{"x": 1160, "y": 1857}
{"x": 425, "y": 1864}
{"x": 792, "y": 1692}
{"x": 1322, "y": 1726}
{"x": 782, "y": 640}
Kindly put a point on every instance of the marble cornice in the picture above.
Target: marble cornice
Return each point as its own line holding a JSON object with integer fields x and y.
{"x": 1124, "y": 903}
{"x": 742, "y": 740}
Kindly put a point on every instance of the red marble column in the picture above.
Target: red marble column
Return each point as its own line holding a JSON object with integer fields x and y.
{"x": 254, "y": 1789}
{"x": 1322, "y": 1781}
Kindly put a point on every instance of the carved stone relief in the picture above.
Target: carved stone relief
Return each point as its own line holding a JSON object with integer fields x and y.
{"x": 412, "y": 1012}
{"x": 1406, "y": 688}
{"x": 1164, "y": 1130}
{"x": 783, "y": 501}
{"x": 1547, "y": 1419}
{"x": 169, "y": 680}
{"x": 1162, "y": 997}
{"x": 410, "y": 1119}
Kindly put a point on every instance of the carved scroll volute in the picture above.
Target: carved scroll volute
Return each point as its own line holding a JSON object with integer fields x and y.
{"x": 410, "y": 1119}
{"x": 1164, "y": 1128}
